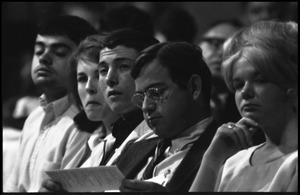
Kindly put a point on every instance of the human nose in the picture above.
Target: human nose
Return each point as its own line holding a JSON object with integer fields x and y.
{"x": 91, "y": 87}
{"x": 45, "y": 58}
{"x": 148, "y": 105}
{"x": 247, "y": 91}
{"x": 111, "y": 78}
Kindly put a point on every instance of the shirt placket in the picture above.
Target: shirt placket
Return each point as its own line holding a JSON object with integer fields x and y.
{"x": 40, "y": 144}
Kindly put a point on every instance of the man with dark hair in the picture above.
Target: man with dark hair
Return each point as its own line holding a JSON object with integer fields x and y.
{"x": 49, "y": 138}
{"x": 173, "y": 87}
{"x": 120, "y": 50}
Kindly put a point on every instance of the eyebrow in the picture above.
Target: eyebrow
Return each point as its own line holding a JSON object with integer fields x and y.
{"x": 54, "y": 45}
{"x": 156, "y": 84}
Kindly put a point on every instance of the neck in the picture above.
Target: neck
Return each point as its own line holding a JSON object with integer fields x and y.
{"x": 284, "y": 137}
{"x": 52, "y": 96}
{"x": 107, "y": 122}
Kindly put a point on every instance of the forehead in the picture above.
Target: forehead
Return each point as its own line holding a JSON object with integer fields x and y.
{"x": 55, "y": 39}
{"x": 84, "y": 65}
{"x": 151, "y": 75}
{"x": 120, "y": 52}
{"x": 243, "y": 66}
{"x": 221, "y": 31}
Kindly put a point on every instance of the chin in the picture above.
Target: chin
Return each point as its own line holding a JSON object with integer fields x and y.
{"x": 93, "y": 118}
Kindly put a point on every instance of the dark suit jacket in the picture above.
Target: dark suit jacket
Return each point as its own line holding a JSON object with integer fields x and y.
{"x": 185, "y": 173}
{"x": 135, "y": 157}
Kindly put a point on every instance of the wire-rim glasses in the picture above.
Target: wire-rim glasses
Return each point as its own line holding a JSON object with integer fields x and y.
{"x": 154, "y": 93}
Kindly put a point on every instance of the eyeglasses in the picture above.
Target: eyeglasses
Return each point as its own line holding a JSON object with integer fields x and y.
{"x": 154, "y": 93}
{"x": 216, "y": 42}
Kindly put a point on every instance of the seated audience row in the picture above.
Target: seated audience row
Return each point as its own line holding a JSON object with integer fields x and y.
{"x": 145, "y": 107}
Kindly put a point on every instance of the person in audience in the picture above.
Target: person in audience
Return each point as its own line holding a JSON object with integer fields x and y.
{"x": 261, "y": 67}
{"x": 222, "y": 99}
{"x": 173, "y": 87}
{"x": 96, "y": 116}
{"x": 252, "y": 12}
{"x": 118, "y": 53}
{"x": 49, "y": 138}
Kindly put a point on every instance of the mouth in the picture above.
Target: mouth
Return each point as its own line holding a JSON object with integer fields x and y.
{"x": 249, "y": 107}
{"x": 42, "y": 70}
{"x": 113, "y": 93}
{"x": 93, "y": 103}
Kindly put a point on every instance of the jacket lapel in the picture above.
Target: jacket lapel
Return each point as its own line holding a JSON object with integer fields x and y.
{"x": 132, "y": 159}
{"x": 187, "y": 169}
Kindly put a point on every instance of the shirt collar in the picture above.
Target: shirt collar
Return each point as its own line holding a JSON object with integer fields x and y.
{"x": 126, "y": 124}
{"x": 57, "y": 107}
{"x": 190, "y": 135}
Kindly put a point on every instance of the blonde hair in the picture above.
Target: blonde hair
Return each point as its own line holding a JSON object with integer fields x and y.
{"x": 270, "y": 46}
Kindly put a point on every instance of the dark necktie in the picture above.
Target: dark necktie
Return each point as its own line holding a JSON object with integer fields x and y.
{"x": 159, "y": 156}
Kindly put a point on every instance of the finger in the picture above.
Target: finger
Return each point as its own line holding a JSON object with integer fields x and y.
{"x": 249, "y": 127}
{"x": 244, "y": 136}
{"x": 52, "y": 185}
{"x": 248, "y": 122}
{"x": 232, "y": 136}
{"x": 131, "y": 185}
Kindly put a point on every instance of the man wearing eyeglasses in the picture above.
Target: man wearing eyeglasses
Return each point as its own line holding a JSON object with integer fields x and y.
{"x": 173, "y": 86}
{"x": 222, "y": 100}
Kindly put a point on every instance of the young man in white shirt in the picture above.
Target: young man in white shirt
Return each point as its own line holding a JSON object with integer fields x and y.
{"x": 49, "y": 137}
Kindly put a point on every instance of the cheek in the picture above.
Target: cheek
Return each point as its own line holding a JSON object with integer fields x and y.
{"x": 102, "y": 84}
{"x": 206, "y": 50}
{"x": 129, "y": 85}
{"x": 238, "y": 99}
{"x": 81, "y": 92}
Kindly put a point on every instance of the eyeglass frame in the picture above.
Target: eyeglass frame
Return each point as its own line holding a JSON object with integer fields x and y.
{"x": 146, "y": 93}
{"x": 215, "y": 42}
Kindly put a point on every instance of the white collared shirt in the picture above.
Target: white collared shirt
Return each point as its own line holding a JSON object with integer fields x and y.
{"x": 164, "y": 171}
{"x": 49, "y": 141}
{"x": 98, "y": 145}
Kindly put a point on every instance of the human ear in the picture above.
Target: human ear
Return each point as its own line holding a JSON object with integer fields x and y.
{"x": 195, "y": 86}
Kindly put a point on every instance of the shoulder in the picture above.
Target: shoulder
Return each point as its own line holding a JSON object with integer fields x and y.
{"x": 240, "y": 159}
{"x": 141, "y": 129}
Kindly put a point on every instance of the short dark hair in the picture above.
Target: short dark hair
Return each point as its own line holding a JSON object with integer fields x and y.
{"x": 127, "y": 16}
{"x": 129, "y": 38}
{"x": 73, "y": 27}
{"x": 182, "y": 60}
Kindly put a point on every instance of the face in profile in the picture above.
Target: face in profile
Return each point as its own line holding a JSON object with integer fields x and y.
{"x": 258, "y": 11}
{"x": 115, "y": 80}
{"x": 212, "y": 46}
{"x": 256, "y": 97}
{"x": 89, "y": 91}
{"x": 167, "y": 117}
{"x": 50, "y": 60}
